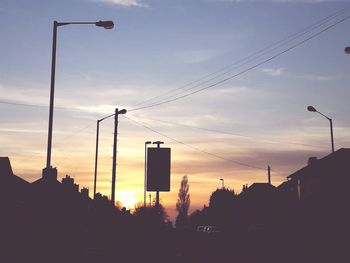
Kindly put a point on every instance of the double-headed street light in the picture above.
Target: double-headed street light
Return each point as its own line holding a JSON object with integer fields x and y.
{"x": 312, "y": 109}
{"x": 104, "y": 24}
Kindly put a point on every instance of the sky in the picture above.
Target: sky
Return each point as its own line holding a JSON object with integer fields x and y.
{"x": 253, "y": 67}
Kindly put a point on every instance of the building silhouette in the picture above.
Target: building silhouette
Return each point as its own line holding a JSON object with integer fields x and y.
{"x": 324, "y": 180}
{"x": 304, "y": 219}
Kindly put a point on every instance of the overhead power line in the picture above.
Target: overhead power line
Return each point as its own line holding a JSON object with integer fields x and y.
{"x": 161, "y": 102}
{"x": 239, "y": 135}
{"x": 24, "y": 104}
{"x": 250, "y": 58}
{"x": 195, "y": 148}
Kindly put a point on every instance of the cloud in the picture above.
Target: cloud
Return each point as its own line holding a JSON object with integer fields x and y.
{"x": 124, "y": 3}
{"x": 194, "y": 56}
{"x": 313, "y": 77}
{"x": 273, "y": 71}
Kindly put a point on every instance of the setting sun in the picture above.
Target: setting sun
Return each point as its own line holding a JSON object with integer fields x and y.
{"x": 128, "y": 199}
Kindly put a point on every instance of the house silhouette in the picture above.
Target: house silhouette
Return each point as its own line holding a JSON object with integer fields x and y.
{"x": 323, "y": 181}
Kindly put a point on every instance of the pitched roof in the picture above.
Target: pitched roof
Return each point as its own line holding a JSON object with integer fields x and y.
{"x": 6, "y": 173}
{"x": 341, "y": 156}
{"x": 261, "y": 186}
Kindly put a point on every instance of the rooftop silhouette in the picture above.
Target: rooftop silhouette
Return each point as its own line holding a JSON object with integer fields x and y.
{"x": 305, "y": 214}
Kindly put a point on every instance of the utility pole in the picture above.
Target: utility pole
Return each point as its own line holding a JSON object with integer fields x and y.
{"x": 114, "y": 165}
{"x": 269, "y": 173}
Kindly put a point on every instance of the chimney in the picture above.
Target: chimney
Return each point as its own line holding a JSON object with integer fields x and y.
{"x": 312, "y": 160}
{"x": 269, "y": 174}
{"x": 50, "y": 174}
{"x": 85, "y": 192}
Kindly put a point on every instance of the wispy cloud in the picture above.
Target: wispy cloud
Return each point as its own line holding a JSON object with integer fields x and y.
{"x": 195, "y": 56}
{"x": 314, "y": 77}
{"x": 273, "y": 71}
{"x": 124, "y": 3}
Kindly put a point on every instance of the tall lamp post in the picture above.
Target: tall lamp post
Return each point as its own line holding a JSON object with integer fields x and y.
{"x": 104, "y": 24}
{"x": 96, "y": 152}
{"x": 223, "y": 182}
{"x": 145, "y": 180}
{"x": 312, "y": 109}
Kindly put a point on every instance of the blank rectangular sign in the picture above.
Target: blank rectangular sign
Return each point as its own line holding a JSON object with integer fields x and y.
{"x": 158, "y": 169}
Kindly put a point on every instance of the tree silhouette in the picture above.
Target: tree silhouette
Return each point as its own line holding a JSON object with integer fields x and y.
{"x": 222, "y": 207}
{"x": 183, "y": 203}
{"x": 151, "y": 215}
{"x": 222, "y": 199}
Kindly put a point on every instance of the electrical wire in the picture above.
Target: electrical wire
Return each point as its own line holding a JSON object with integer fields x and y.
{"x": 253, "y": 56}
{"x": 193, "y": 147}
{"x": 13, "y": 103}
{"x": 243, "y": 71}
{"x": 238, "y": 134}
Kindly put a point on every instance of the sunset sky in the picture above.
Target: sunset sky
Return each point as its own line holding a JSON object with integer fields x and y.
{"x": 251, "y": 112}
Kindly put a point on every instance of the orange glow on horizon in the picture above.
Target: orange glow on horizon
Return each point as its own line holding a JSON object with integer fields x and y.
{"x": 128, "y": 199}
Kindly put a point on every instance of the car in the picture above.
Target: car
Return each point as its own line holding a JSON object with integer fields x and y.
{"x": 208, "y": 229}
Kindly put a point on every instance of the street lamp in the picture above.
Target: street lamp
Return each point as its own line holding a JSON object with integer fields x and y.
{"x": 347, "y": 50}
{"x": 312, "y": 109}
{"x": 96, "y": 153}
{"x": 145, "y": 181}
{"x": 104, "y": 24}
{"x": 223, "y": 183}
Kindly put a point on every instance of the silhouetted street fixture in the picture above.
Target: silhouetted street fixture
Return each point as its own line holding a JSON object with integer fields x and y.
{"x": 114, "y": 165}
{"x": 269, "y": 174}
{"x": 145, "y": 181}
{"x": 96, "y": 153}
{"x": 347, "y": 50}
{"x": 158, "y": 143}
{"x": 312, "y": 109}
{"x": 104, "y": 24}
{"x": 223, "y": 182}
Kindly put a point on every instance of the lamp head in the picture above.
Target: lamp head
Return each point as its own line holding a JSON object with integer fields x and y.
{"x": 347, "y": 50}
{"x": 123, "y": 111}
{"x": 105, "y": 24}
{"x": 311, "y": 108}
{"x": 148, "y": 142}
